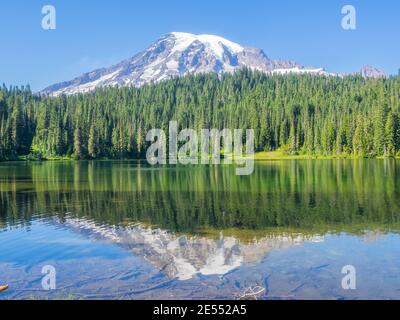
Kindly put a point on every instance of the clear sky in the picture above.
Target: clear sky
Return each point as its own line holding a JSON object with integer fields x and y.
{"x": 100, "y": 33}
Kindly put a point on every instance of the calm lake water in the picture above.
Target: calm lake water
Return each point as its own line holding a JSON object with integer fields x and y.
{"x": 124, "y": 230}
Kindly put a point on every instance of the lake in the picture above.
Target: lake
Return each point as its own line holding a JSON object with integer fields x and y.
{"x": 125, "y": 230}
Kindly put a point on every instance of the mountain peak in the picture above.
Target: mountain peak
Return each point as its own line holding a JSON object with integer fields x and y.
{"x": 372, "y": 72}
{"x": 215, "y": 43}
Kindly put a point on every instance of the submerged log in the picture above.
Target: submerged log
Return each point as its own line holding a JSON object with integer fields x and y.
{"x": 3, "y": 288}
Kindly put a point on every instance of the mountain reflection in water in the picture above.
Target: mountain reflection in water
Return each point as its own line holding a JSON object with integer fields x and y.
{"x": 183, "y": 257}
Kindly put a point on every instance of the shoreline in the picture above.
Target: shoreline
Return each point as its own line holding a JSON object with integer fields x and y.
{"x": 257, "y": 158}
{"x": 277, "y": 155}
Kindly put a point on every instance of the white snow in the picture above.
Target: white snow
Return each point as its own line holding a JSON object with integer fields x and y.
{"x": 297, "y": 70}
{"x": 217, "y": 264}
{"x": 87, "y": 87}
{"x": 214, "y": 43}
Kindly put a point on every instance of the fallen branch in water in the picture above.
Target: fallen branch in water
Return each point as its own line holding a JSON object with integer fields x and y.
{"x": 251, "y": 293}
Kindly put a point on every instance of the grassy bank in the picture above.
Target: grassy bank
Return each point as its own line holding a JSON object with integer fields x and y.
{"x": 280, "y": 155}
{"x": 258, "y": 156}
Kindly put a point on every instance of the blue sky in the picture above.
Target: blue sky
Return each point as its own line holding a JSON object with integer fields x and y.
{"x": 92, "y": 34}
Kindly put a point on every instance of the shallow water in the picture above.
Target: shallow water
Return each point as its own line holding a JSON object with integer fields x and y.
{"x": 124, "y": 230}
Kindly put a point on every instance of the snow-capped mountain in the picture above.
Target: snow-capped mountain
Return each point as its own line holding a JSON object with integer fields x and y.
{"x": 372, "y": 72}
{"x": 179, "y": 54}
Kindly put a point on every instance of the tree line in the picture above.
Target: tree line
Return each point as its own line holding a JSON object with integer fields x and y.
{"x": 300, "y": 114}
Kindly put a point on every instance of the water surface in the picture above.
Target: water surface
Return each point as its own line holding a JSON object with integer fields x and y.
{"x": 125, "y": 230}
